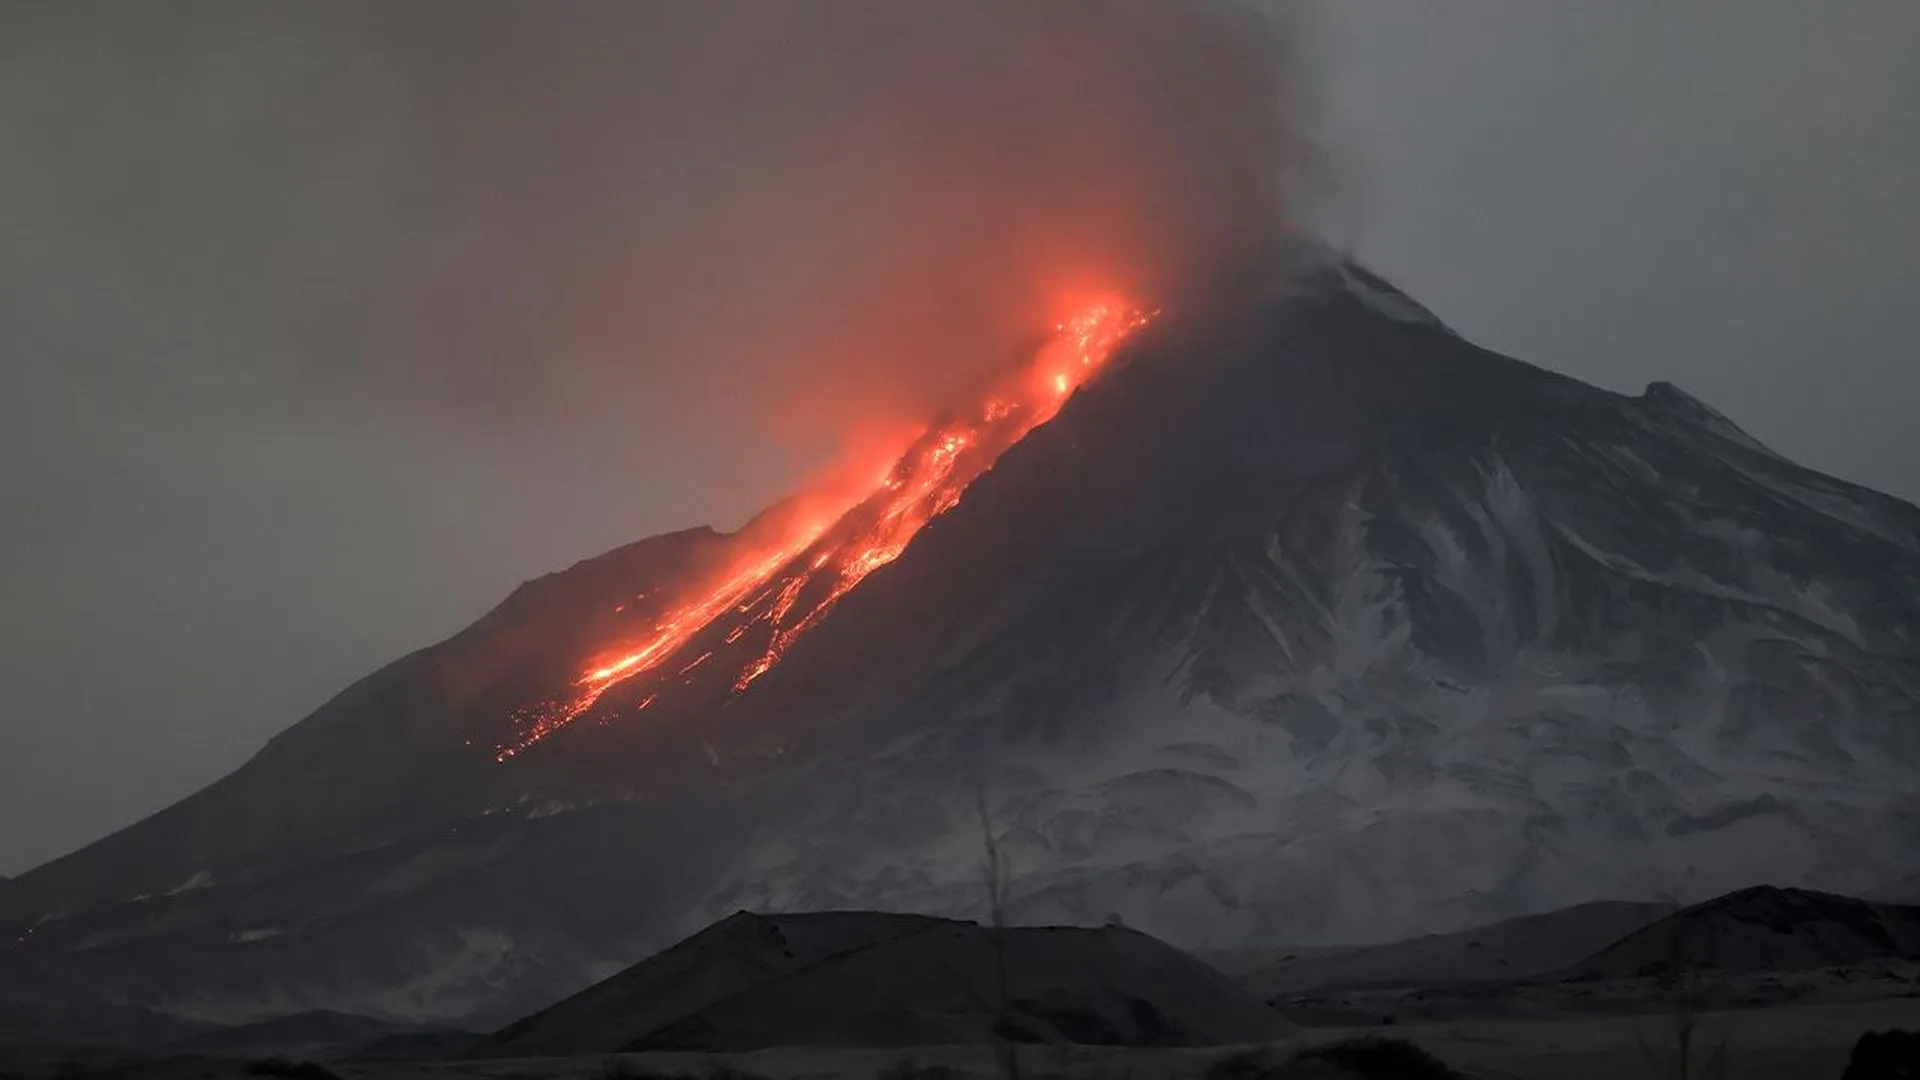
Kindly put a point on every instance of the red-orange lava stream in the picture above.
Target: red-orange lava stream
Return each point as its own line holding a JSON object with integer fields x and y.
{"x": 780, "y": 589}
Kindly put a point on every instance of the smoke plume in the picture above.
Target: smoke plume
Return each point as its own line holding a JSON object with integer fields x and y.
{"x": 638, "y": 222}
{"x": 804, "y": 220}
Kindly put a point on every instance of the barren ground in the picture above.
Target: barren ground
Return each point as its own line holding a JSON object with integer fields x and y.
{"x": 1795, "y": 1043}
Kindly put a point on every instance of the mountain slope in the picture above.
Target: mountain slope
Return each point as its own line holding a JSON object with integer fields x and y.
{"x": 1307, "y": 621}
{"x": 391, "y": 756}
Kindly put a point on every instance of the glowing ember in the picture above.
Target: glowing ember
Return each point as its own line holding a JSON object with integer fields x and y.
{"x": 769, "y": 597}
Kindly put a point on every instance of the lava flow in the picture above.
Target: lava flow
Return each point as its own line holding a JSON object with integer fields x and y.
{"x": 768, "y": 597}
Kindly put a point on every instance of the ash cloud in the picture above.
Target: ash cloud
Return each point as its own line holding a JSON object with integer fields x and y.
{"x": 780, "y": 217}
{"x": 801, "y": 216}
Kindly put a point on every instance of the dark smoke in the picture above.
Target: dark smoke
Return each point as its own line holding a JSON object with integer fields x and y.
{"x": 789, "y": 219}
{"x": 744, "y": 211}
{"x": 807, "y": 215}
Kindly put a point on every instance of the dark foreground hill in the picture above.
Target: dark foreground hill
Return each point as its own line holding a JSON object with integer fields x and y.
{"x": 1762, "y": 929}
{"x": 1752, "y": 948}
{"x": 868, "y": 979}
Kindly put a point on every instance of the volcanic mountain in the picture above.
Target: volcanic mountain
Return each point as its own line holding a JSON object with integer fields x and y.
{"x": 1292, "y": 618}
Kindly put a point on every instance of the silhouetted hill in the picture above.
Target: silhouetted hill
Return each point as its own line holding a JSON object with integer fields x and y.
{"x": 1762, "y": 929}
{"x": 871, "y": 979}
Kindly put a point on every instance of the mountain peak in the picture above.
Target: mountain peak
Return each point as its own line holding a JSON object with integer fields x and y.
{"x": 1667, "y": 398}
{"x": 1384, "y": 297}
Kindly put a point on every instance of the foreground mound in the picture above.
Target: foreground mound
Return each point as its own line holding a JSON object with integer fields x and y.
{"x": 1763, "y": 929}
{"x": 870, "y": 979}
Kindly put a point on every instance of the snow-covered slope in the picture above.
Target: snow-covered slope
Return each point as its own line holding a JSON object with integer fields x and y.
{"x": 1309, "y": 622}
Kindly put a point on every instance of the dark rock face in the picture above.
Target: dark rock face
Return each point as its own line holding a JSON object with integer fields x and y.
{"x": 869, "y": 979}
{"x": 1885, "y": 1055}
{"x": 1381, "y": 1059}
{"x": 1307, "y": 622}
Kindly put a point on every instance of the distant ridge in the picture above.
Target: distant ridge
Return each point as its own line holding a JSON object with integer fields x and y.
{"x": 1752, "y": 948}
{"x": 1522, "y": 948}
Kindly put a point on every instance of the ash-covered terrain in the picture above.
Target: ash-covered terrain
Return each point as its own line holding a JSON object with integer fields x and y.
{"x": 1306, "y": 623}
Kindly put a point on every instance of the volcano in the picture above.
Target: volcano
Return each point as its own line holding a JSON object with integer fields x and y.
{"x": 1289, "y": 618}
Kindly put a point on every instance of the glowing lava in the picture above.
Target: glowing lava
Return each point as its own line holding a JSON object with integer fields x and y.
{"x": 767, "y": 598}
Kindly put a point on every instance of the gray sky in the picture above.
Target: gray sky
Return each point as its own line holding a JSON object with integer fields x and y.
{"x": 322, "y": 329}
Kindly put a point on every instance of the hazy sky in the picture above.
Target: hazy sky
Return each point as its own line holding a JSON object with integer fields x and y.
{"x": 322, "y": 329}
